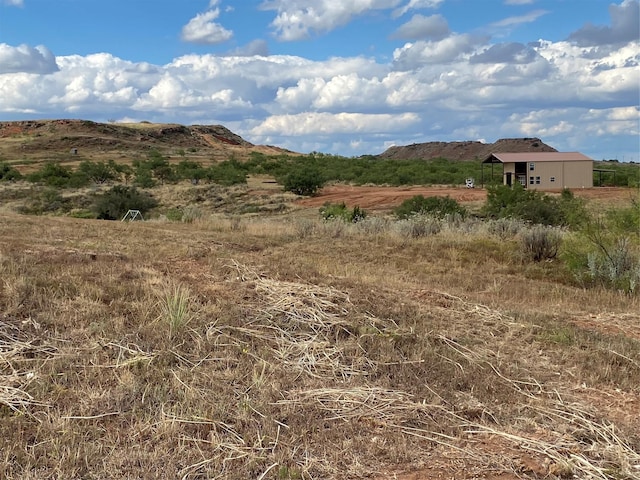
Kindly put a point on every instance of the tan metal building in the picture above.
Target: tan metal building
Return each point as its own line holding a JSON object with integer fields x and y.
{"x": 545, "y": 170}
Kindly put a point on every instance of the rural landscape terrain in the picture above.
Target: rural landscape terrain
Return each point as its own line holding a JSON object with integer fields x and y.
{"x": 286, "y": 316}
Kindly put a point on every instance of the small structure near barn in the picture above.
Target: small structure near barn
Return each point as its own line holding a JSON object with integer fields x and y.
{"x": 544, "y": 170}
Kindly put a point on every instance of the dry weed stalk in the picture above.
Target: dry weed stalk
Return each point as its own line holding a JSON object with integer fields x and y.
{"x": 17, "y": 348}
{"x": 228, "y": 446}
{"x": 306, "y": 326}
{"x": 590, "y": 450}
{"x": 388, "y": 407}
{"x": 129, "y": 355}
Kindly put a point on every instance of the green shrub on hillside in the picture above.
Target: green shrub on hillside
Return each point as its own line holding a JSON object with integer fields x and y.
{"x": 190, "y": 170}
{"x": 227, "y": 173}
{"x": 46, "y": 201}
{"x": 116, "y": 202}
{"x": 55, "y": 175}
{"x": 156, "y": 168}
{"x": 436, "y": 206}
{"x": 8, "y": 173}
{"x": 98, "y": 172}
{"x": 303, "y": 181}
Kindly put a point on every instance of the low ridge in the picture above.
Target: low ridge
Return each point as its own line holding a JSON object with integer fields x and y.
{"x": 34, "y": 138}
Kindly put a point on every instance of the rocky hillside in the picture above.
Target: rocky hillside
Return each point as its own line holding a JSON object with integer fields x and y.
{"x": 461, "y": 151}
{"x": 36, "y": 138}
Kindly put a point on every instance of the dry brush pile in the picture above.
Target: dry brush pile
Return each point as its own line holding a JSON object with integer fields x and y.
{"x": 181, "y": 351}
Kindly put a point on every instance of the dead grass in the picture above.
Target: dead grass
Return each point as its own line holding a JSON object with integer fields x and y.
{"x": 239, "y": 349}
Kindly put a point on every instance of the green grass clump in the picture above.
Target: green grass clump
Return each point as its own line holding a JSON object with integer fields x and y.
{"x": 175, "y": 306}
{"x": 340, "y": 211}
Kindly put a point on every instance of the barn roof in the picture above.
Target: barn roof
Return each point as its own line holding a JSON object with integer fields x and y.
{"x": 536, "y": 157}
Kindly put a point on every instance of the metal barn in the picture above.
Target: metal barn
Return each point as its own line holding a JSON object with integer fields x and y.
{"x": 545, "y": 170}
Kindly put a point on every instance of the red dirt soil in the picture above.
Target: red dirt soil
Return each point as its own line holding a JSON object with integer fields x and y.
{"x": 384, "y": 198}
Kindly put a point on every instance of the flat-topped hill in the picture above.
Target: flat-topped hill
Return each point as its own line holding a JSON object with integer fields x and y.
{"x": 468, "y": 150}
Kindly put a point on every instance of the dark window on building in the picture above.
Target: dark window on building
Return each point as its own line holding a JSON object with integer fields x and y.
{"x": 552, "y": 179}
{"x": 532, "y": 166}
{"x": 531, "y": 181}
{"x": 537, "y": 180}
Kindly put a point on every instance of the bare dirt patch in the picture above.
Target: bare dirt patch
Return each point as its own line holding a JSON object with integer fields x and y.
{"x": 383, "y": 198}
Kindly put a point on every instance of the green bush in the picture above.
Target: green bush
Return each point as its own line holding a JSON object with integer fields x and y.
{"x": 192, "y": 171}
{"x": 435, "y": 206}
{"x": 304, "y": 181}
{"x": 46, "y": 201}
{"x": 188, "y": 214}
{"x": 227, "y": 173}
{"x": 573, "y": 209}
{"x": 116, "y": 202}
{"x": 155, "y": 168}
{"x": 339, "y": 211}
{"x": 174, "y": 215}
{"x": 625, "y": 220}
{"x": 144, "y": 178}
{"x": 601, "y": 255}
{"x": 8, "y": 173}
{"x": 528, "y": 205}
{"x": 55, "y": 175}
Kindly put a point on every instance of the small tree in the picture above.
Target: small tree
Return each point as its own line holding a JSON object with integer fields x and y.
{"x": 303, "y": 181}
{"x": 98, "y": 172}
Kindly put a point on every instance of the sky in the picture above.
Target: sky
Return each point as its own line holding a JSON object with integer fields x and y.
{"x": 335, "y": 76}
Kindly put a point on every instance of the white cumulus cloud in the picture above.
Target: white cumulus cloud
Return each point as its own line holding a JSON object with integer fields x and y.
{"x": 26, "y": 59}
{"x": 296, "y": 19}
{"x": 203, "y": 29}
{"x": 323, "y": 123}
{"x": 413, "y": 55}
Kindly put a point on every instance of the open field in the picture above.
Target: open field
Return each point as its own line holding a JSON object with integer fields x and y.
{"x": 283, "y": 347}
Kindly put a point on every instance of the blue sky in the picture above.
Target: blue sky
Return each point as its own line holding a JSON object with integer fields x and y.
{"x": 334, "y": 76}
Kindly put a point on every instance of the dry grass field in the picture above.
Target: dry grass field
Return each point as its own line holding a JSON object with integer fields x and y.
{"x": 283, "y": 347}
